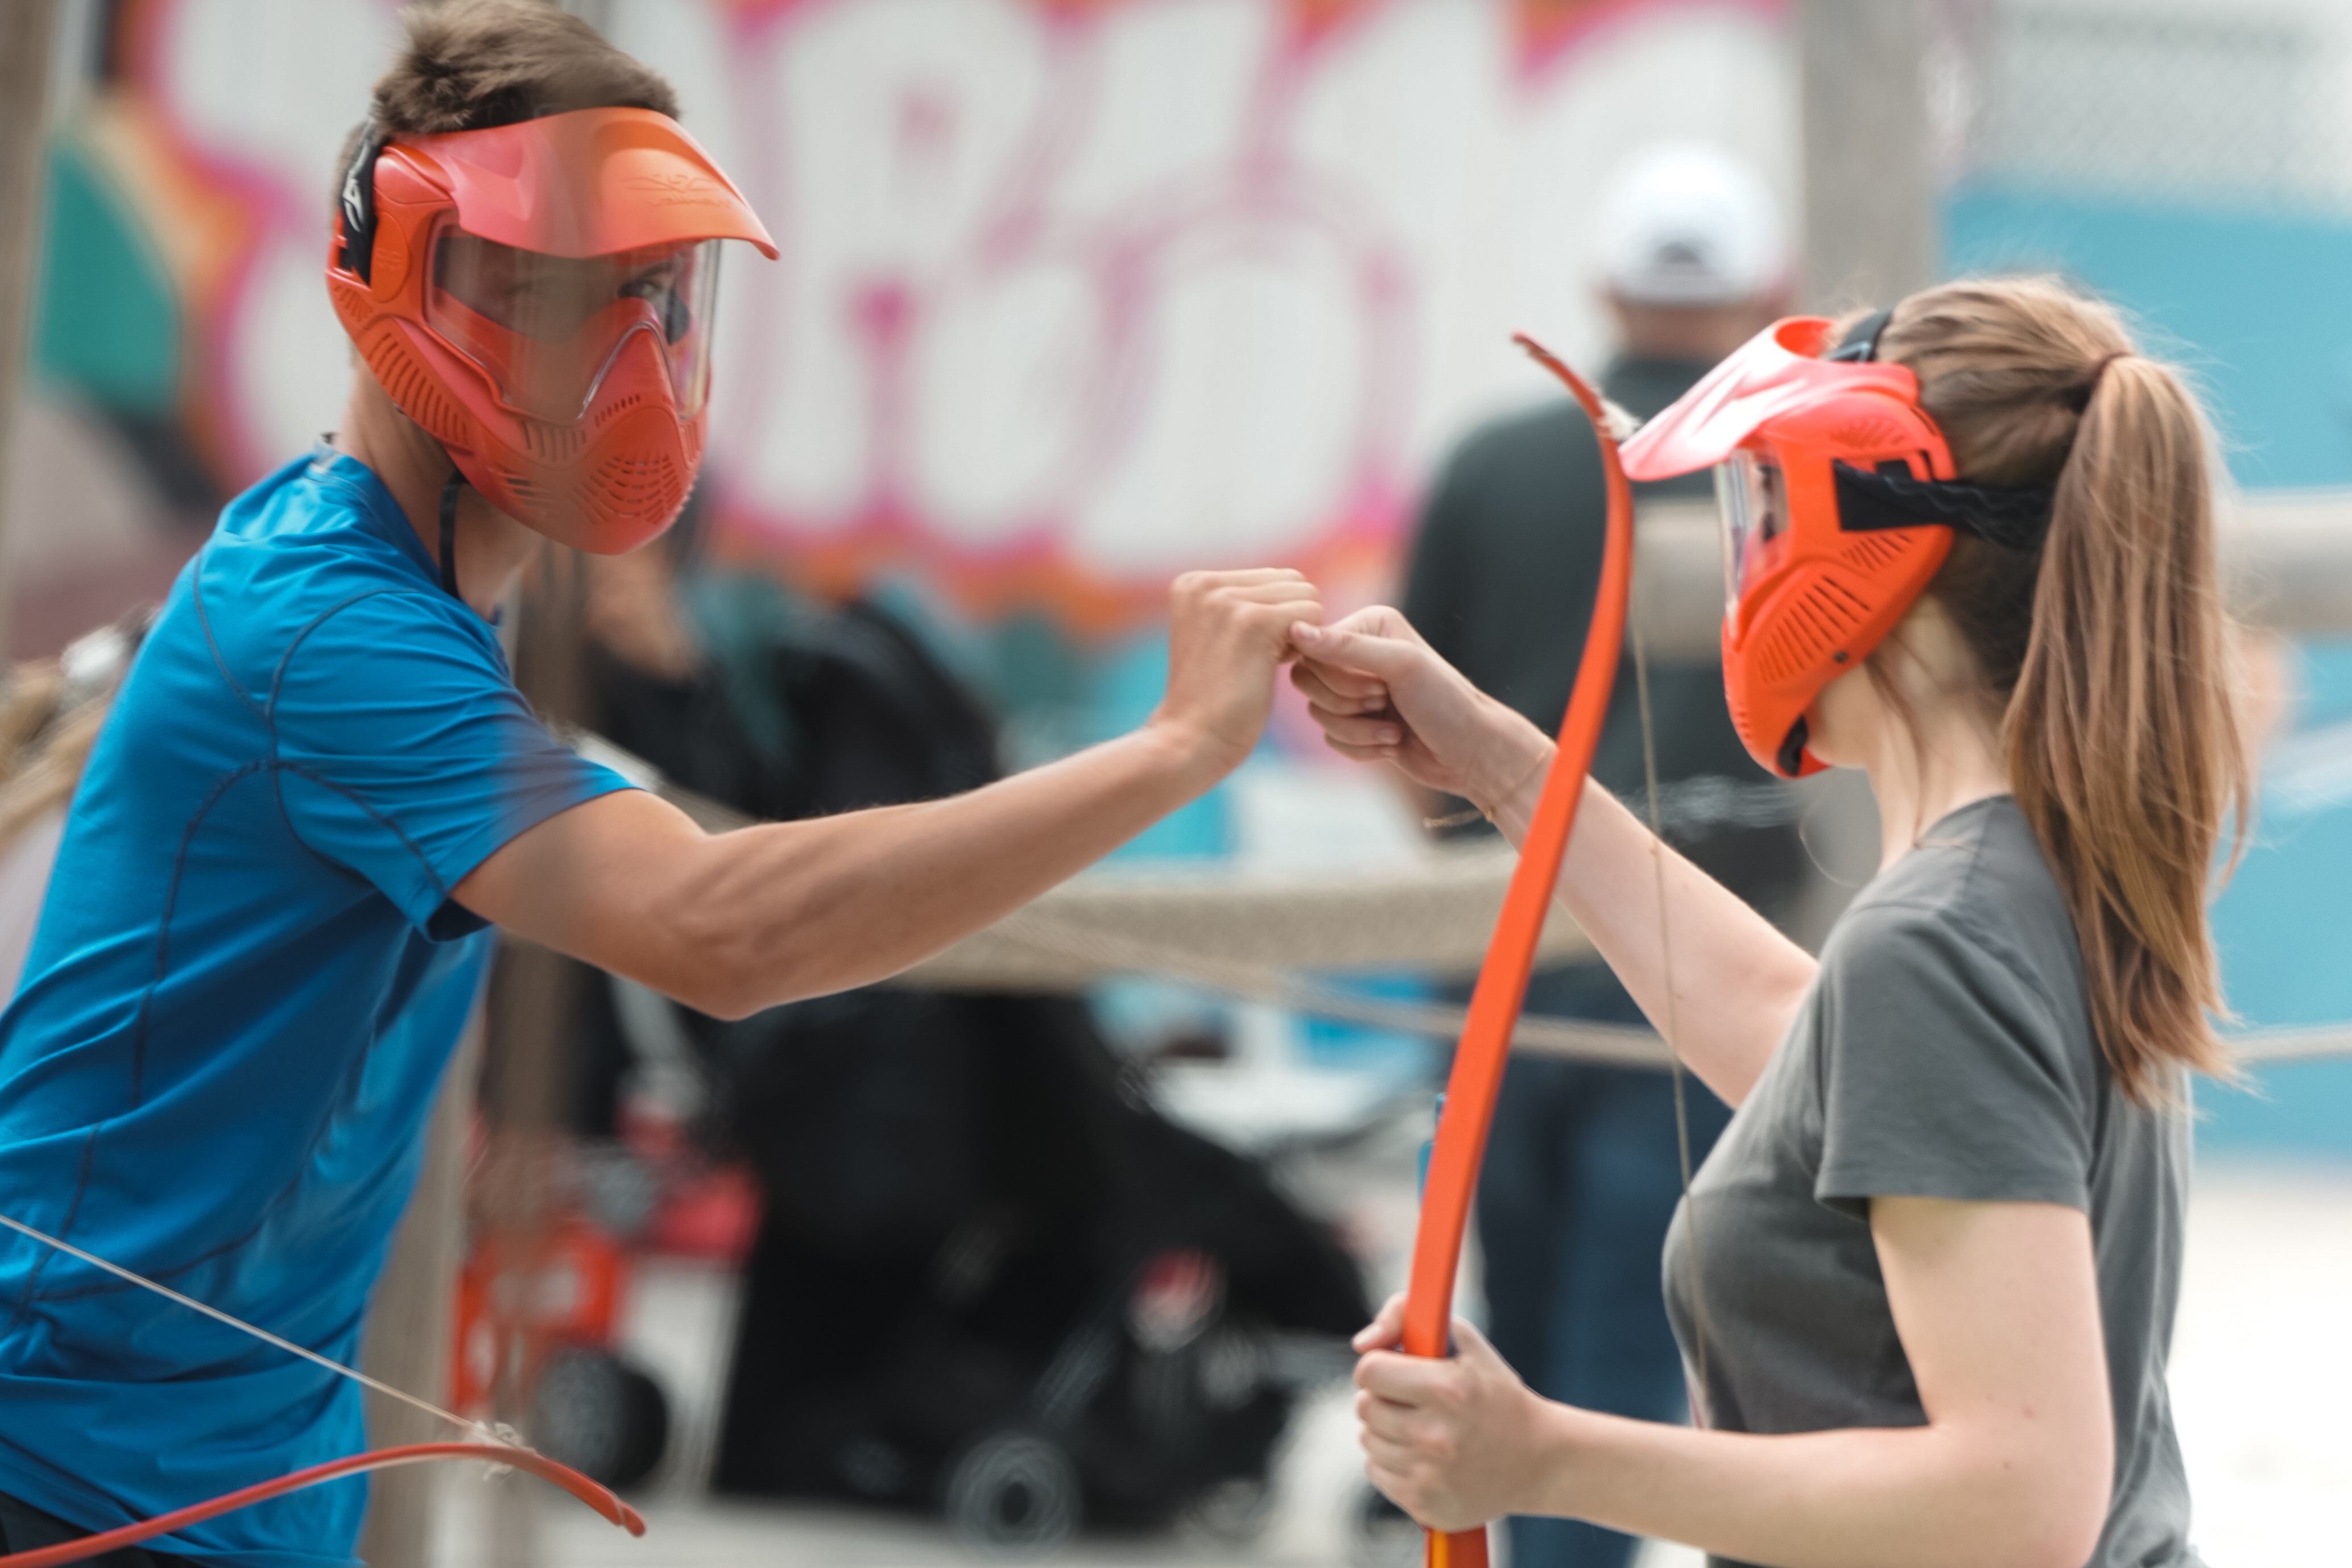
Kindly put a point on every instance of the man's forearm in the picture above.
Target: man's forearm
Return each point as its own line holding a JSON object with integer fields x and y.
{"x": 788, "y": 910}
{"x": 744, "y": 920}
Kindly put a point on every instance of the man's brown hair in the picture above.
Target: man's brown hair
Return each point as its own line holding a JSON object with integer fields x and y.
{"x": 470, "y": 65}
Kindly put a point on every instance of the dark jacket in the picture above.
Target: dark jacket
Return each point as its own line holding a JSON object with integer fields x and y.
{"x": 1505, "y": 568}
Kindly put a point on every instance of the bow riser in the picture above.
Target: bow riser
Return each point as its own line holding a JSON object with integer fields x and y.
{"x": 1460, "y": 1145}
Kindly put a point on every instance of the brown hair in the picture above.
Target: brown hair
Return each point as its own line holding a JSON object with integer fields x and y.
{"x": 2107, "y": 647}
{"x": 470, "y": 65}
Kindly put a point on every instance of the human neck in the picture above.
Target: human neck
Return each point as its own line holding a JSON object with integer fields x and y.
{"x": 491, "y": 547}
{"x": 1954, "y": 761}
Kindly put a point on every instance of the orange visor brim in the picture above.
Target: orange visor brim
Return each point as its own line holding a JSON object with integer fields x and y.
{"x": 591, "y": 183}
{"x": 1774, "y": 369}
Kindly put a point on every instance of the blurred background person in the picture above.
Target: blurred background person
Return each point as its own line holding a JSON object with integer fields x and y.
{"x": 1582, "y": 1167}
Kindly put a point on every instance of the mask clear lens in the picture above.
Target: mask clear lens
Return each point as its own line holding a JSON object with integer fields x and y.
{"x": 687, "y": 299}
{"x": 547, "y": 328}
{"x": 1753, "y": 504}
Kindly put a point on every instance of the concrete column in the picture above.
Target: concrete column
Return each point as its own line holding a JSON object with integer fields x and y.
{"x": 1870, "y": 237}
{"x": 1869, "y": 229}
{"x": 29, "y": 32}
{"x": 409, "y": 1340}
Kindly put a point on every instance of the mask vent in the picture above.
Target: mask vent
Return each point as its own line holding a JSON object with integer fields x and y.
{"x": 607, "y": 413}
{"x": 528, "y": 495}
{"x": 1871, "y": 553}
{"x": 411, "y": 390}
{"x": 553, "y": 443}
{"x": 1818, "y": 620}
{"x": 1867, "y": 434}
{"x": 630, "y": 488}
{"x": 1739, "y": 712}
{"x": 350, "y": 305}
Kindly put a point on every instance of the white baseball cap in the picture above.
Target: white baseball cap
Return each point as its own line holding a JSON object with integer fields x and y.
{"x": 1684, "y": 225}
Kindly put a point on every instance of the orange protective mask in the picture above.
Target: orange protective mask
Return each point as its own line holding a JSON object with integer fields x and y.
{"x": 538, "y": 297}
{"x": 1838, "y": 503}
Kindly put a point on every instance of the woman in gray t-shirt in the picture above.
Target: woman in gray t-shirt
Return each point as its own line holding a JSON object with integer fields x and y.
{"x": 1925, "y": 1284}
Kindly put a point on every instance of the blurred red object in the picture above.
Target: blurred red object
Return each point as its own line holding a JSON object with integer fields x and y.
{"x": 705, "y": 1210}
{"x": 521, "y": 1298}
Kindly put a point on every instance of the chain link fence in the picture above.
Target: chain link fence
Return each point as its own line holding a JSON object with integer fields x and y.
{"x": 2218, "y": 103}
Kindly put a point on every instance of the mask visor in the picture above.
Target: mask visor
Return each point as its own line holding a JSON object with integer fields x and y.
{"x": 547, "y": 328}
{"x": 1752, "y": 502}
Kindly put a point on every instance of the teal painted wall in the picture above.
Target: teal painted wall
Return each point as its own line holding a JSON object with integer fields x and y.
{"x": 2259, "y": 307}
{"x": 105, "y": 325}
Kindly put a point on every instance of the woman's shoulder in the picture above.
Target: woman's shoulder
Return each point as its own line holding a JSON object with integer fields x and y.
{"x": 1976, "y": 882}
{"x": 1969, "y": 935}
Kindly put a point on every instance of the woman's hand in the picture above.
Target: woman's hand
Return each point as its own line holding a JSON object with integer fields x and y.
{"x": 1455, "y": 1442}
{"x": 1381, "y": 694}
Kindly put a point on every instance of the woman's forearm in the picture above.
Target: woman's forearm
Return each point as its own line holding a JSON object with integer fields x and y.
{"x": 1926, "y": 1496}
{"x": 1737, "y": 980}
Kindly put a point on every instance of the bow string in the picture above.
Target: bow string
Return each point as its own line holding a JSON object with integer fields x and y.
{"x": 1460, "y": 1145}
{"x": 491, "y": 1446}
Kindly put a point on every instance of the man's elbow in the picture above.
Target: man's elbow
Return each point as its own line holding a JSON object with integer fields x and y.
{"x": 728, "y": 984}
{"x": 732, "y": 973}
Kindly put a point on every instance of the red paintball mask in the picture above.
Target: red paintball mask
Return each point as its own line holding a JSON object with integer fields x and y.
{"x": 1838, "y": 503}
{"x": 538, "y": 297}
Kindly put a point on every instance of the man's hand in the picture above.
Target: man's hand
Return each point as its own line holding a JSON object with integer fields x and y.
{"x": 1383, "y": 695}
{"x": 1453, "y": 1443}
{"x": 1227, "y": 632}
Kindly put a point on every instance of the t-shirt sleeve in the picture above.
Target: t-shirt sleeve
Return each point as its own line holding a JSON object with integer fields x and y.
{"x": 1944, "y": 1072}
{"x": 406, "y": 755}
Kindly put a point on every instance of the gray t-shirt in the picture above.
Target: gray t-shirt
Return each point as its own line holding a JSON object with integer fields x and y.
{"x": 1945, "y": 1051}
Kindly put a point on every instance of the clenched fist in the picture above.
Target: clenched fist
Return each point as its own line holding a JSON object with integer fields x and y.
{"x": 1380, "y": 694}
{"x": 1228, "y": 631}
{"x": 1455, "y": 1442}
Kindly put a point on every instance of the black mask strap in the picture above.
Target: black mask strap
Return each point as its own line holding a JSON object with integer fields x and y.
{"x": 449, "y": 535}
{"x": 1859, "y": 346}
{"x": 356, "y": 199}
{"x": 1892, "y": 499}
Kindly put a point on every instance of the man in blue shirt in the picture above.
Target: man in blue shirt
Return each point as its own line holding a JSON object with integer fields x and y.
{"x": 319, "y": 788}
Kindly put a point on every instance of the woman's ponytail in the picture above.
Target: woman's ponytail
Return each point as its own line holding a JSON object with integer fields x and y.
{"x": 2122, "y": 743}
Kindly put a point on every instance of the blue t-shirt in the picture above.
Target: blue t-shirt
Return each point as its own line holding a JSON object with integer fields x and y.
{"x": 246, "y": 981}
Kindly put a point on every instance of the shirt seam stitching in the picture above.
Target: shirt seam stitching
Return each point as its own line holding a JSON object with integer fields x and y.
{"x": 212, "y": 645}
{"x": 424, "y": 862}
{"x": 163, "y": 924}
{"x": 65, "y": 1231}
{"x": 286, "y": 659}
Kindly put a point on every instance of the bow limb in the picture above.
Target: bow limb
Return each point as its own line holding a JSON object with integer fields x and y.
{"x": 596, "y": 1497}
{"x": 1478, "y": 1061}
{"x": 511, "y": 1455}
